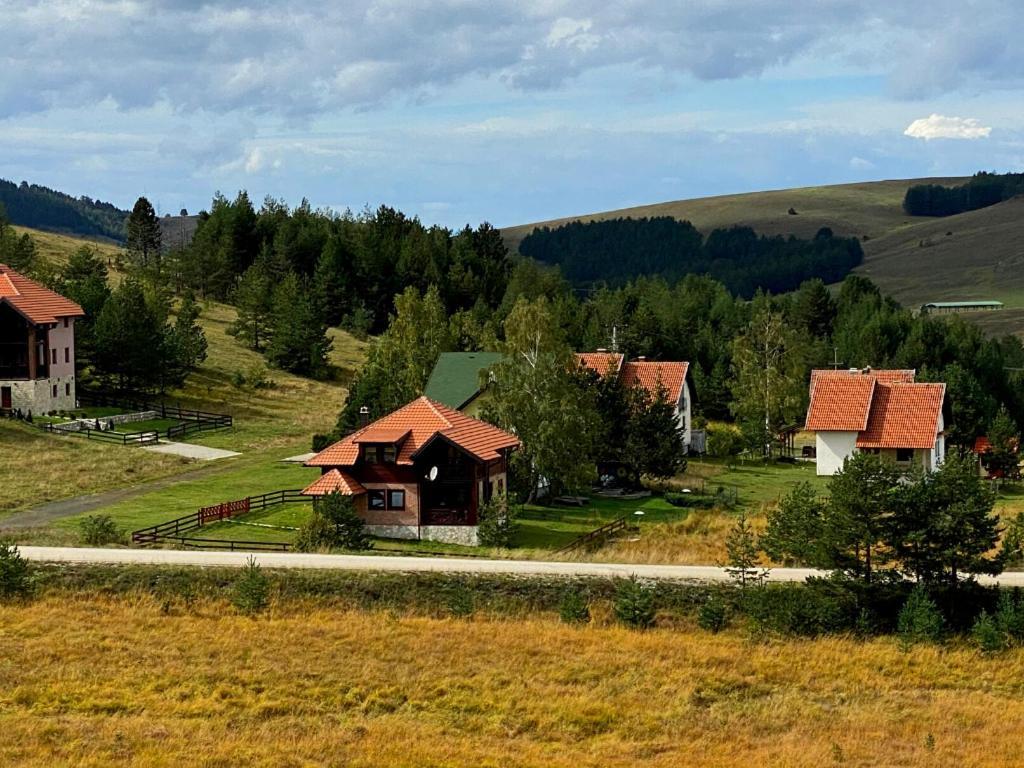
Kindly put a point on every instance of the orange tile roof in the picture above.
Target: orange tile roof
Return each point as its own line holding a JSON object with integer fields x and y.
{"x": 380, "y": 435}
{"x": 38, "y": 304}
{"x": 423, "y": 419}
{"x": 332, "y": 481}
{"x": 840, "y": 403}
{"x": 642, "y": 373}
{"x": 601, "y": 363}
{"x": 903, "y": 416}
{"x": 886, "y": 408}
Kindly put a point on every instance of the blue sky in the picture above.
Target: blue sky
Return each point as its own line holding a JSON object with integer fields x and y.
{"x": 462, "y": 111}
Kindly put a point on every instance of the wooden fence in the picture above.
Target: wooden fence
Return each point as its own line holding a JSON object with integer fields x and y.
{"x": 107, "y": 436}
{"x": 596, "y": 536}
{"x": 193, "y": 421}
{"x": 174, "y": 530}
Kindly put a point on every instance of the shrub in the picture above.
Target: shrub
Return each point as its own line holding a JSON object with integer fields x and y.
{"x": 712, "y": 615}
{"x": 723, "y": 440}
{"x": 919, "y": 619}
{"x": 14, "y": 573}
{"x": 634, "y": 604}
{"x": 809, "y": 610}
{"x": 460, "y": 601}
{"x": 334, "y": 524}
{"x": 573, "y": 608}
{"x": 320, "y": 442}
{"x": 1009, "y": 616}
{"x": 252, "y": 589}
{"x": 986, "y": 635}
{"x": 497, "y": 526}
{"x": 98, "y": 530}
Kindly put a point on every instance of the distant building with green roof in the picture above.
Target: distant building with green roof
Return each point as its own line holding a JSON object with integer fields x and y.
{"x": 456, "y": 380}
{"x": 953, "y": 307}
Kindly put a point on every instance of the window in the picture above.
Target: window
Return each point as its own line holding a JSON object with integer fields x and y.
{"x": 65, "y": 322}
{"x": 389, "y": 454}
{"x": 67, "y": 389}
{"x": 54, "y": 390}
{"x": 53, "y": 354}
{"x": 904, "y": 454}
{"x": 872, "y": 451}
{"x": 371, "y": 454}
{"x": 396, "y": 500}
{"x": 375, "y": 499}
{"x": 67, "y": 354}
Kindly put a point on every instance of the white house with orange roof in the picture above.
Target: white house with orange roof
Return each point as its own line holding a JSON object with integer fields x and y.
{"x": 649, "y": 375}
{"x": 884, "y": 412}
{"x": 421, "y": 472}
{"x": 37, "y": 346}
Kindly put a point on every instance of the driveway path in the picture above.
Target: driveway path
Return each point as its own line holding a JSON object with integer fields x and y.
{"x": 76, "y": 505}
{"x": 418, "y": 564}
{"x": 192, "y": 451}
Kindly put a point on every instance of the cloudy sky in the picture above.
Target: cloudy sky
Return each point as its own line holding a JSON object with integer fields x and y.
{"x": 502, "y": 110}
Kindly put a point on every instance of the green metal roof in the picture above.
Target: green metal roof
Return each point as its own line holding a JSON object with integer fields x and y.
{"x": 938, "y": 304}
{"x": 455, "y": 379}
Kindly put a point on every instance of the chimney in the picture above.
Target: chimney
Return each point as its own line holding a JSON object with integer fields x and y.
{"x": 866, "y": 370}
{"x": 601, "y": 349}
{"x": 641, "y": 358}
{"x": 364, "y": 416}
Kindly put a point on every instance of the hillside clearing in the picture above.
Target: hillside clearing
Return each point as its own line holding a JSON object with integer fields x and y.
{"x": 125, "y": 683}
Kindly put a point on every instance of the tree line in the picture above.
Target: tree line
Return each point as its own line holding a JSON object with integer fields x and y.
{"x": 982, "y": 190}
{"x": 616, "y": 250}
{"x": 39, "y": 207}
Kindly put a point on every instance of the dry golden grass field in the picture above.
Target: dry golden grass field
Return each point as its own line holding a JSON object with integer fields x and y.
{"x": 92, "y": 681}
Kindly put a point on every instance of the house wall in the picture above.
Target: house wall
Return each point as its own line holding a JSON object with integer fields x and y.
{"x": 62, "y": 341}
{"x": 410, "y": 516}
{"x": 683, "y": 412}
{"x": 37, "y": 395}
{"x": 832, "y": 450}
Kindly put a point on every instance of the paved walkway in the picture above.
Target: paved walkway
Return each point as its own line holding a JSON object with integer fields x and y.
{"x": 192, "y": 451}
{"x": 419, "y": 564}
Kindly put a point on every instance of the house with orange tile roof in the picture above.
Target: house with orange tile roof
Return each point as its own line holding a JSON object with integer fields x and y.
{"x": 884, "y": 412}
{"x": 37, "y": 346}
{"x": 421, "y": 472}
{"x": 649, "y": 375}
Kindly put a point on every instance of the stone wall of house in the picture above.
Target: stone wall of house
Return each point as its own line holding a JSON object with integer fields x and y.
{"x": 394, "y": 531}
{"x": 451, "y": 534}
{"x": 42, "y": 395}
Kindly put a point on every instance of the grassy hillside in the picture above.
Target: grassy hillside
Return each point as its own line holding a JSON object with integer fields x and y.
{"x": 140, "y": 681}
{"x": 56, "y": 249}
{"x": 911, "y": 258}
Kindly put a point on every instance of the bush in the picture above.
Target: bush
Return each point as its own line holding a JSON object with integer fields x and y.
{"x": 811, "y": 609}
{"x": 1009, "y": 616}
{"x": 634, "y": 604}
{"x": 723, "y": 441}
{"x": 252, "y": 589}
{"x": 14, "y": 573}
{"x": 919, "y": 620}
{"x": 98, "y": 530}
{"x": 690, "y": 500}
{"x": 497, "y": 526}
{"x": 573, "y": 608}
{"x": 712, "y": 615}
{"x": 333, "y": 525}
{"x": 320, "y": 442}
{"x": 986, "y": 635}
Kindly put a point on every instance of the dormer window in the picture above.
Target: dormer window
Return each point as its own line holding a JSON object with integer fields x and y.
{"x": 389, "y": 454}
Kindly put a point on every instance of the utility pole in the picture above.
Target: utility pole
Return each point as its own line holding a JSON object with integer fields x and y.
{"x": 835, "y": 358}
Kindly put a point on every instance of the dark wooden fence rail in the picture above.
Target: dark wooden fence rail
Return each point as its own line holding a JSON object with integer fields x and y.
{"x": 596, "y": 536}
{"x": 193, "y": 420}
{"x": 121, "y": 438}
{"x": 172, "y": 530}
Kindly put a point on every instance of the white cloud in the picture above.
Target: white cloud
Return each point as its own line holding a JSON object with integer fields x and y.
{"x": 572, "y": 33}
{"x": 942, "y": 127}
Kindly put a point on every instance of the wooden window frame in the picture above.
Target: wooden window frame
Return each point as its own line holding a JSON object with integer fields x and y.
{"x": 396, "y": 507}
{"x": 377, "y": 493}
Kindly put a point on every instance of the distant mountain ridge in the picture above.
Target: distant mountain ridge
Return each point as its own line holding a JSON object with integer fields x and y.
{"x": 39, "y": 207}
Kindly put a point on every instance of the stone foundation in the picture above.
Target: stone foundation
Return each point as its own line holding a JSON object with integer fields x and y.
{"x": 451, "y": 534}
{"x": 465, "y": 535}
{"x": 37, "y": 396}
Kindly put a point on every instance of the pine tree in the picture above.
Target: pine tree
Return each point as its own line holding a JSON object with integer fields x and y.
{"x": 741, "y": 548}
{"x": 298, "y": 341}
{"x": 129, "y": 339}
{"x": 254, "y": 300}
{"x": 143, "y": 237}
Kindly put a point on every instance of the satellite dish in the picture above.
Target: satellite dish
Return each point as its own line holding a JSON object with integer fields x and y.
{"x": 432, "y": 474}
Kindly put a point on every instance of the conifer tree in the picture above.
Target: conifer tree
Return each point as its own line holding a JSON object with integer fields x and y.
{"x": 143, "y": 241}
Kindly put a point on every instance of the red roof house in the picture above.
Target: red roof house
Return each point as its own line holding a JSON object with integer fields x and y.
{"x": 884, "y": 412}
{"x": 649, "y": 375}
{"x": 421, "y": 472}
{"x": 37, "y": 346}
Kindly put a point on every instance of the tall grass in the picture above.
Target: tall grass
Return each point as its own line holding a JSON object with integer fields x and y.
{"x": 118, "y": 681}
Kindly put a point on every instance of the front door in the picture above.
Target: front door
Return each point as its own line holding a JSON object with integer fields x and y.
{"x": 5, "y": 397}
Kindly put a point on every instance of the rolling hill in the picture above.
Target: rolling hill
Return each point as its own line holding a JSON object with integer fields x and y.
{"x": 911, "y": 258}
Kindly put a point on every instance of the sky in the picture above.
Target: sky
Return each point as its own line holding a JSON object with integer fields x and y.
{"x": 507, "y": 111}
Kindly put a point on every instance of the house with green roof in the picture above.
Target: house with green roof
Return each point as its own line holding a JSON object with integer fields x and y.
{"x": 458, "y": 380}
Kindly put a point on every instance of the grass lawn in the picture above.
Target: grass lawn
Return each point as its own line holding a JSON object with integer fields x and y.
{"x": 147, "y": 425}
{"x": 120, "y": 681}
{"x": 37, "y": 467}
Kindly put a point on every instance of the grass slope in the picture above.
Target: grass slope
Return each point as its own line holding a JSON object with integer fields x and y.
{"x": 119, "y": 681}
{"x": 911, "y": 258}
{"x": 56, "y": 248}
